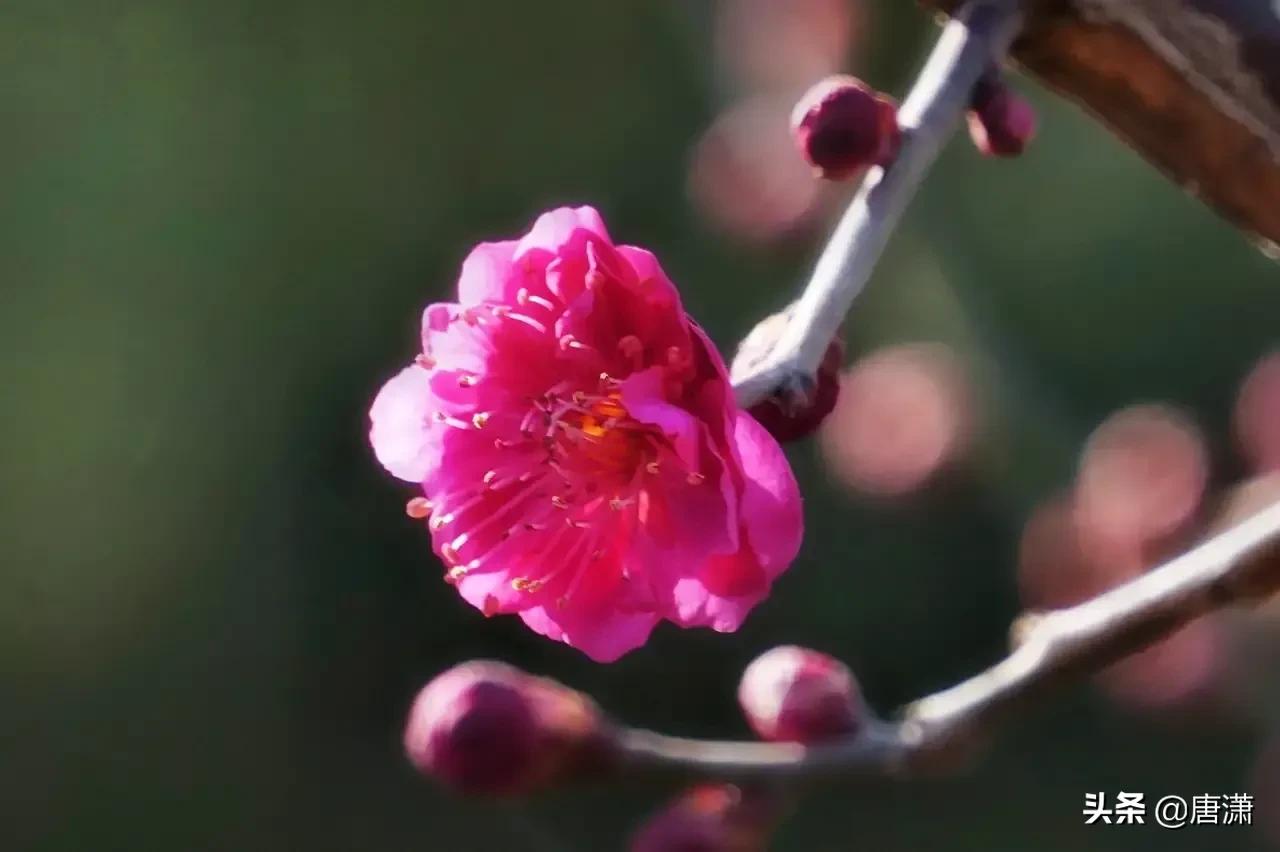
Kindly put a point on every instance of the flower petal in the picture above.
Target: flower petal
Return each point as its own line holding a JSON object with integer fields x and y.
{"x": 555, "y": 228}
{"x": 487, "y": 273}
{"x": 401, "y": 429}
{"x": 771, "y": 508}
{"x": 722, "y": 592}
{"x": 642, "y": 396}
{"x": 723, "y": 588}
{"x": 602, "y": 636}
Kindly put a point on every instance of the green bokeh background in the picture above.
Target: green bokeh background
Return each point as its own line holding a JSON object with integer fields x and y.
{"x": 218, "y": 224}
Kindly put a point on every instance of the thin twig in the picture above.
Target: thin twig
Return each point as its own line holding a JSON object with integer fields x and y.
{"x": 1237, "y": 565}
{"x": 977, "y": 36}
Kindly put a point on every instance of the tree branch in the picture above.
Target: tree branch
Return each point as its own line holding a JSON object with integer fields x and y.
{"x": 1237, "y": 565}
{"x": 978, "y": 35}
{"x": 1192, "y": 85}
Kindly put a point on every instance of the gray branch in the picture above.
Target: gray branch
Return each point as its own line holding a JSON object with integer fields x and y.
{"x": 978, "y": 35}
{"x": 1240, "y": 564}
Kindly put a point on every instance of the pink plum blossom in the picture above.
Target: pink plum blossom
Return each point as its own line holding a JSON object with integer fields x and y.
{"x": 581, "y": 458}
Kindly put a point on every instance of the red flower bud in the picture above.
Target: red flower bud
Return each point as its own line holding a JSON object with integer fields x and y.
{"x": 1001, "y": 122}
{"x": 789, "y": 418}
{"x": 710, "y": 818}
{"x": 799, "y": 695}
{"x": 843, "y": 127}
{"x": 485, "y": 727}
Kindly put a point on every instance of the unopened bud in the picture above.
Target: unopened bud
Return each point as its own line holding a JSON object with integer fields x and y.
{"x": 798, "y": 695}
{"x": 790, "y": 416}
{"x": 1001, "y": 122}
{"x": 485, "y": 727}
{"x": 793, "y": 417}
{"x": 843, "y": 127}
{"x": 710, "y": 818}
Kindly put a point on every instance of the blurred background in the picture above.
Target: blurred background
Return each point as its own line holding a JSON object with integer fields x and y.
{"x": 220, "y": 221}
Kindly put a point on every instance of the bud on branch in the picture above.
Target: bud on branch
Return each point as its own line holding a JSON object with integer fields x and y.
{"x": 975, "y": 40}
{"x": 486, "y": 727}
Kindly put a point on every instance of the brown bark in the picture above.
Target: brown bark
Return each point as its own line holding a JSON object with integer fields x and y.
{"x": 1192, "y": 85}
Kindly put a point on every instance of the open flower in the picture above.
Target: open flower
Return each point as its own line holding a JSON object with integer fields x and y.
{"x": 581, "y": 457}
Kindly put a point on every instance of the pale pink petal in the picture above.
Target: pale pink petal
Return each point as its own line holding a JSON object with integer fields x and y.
{"x": 436, "y": 317}
{"x": 455, "y": 344}
{"x": 722, "y": 592}
{"x": 490, "y": 592}
{"x": 401, "y": 429}
{"x": 487, "y": 273}
{"x": 590, "y": 219}
{"x": 644, "y": 263}
{"x": 649, "y": 274}
{"x": 554, "y": 229}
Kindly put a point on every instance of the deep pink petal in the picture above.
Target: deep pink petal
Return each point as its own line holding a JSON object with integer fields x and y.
{"x": 651, "y": 279}
{"x": 723, "y": 588}
{"x": 467, "y": 455}
{"x": 771, "y": 506}
{"x": 642, "y": 394}
{"x": 689, "y": 521}
{"x": 602, "y": 636}
{"x": 511, "y": 355}
{"x": 689, "y": 508}
{"x": 712, "y": 400}
{"x": 436, "y": 317}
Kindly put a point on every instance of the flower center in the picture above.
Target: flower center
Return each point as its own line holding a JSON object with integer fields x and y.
{"x": 592, "y": 436}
